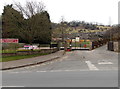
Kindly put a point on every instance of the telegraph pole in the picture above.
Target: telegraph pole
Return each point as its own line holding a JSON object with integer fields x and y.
{"x": 110, "y": 29}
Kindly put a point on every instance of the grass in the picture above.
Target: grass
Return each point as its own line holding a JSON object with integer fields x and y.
{"x": 17, "y": 57}
{"x": 15, "y": 51}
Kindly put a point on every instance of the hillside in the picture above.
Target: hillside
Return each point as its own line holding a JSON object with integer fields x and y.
{"x": 82, "y": 29}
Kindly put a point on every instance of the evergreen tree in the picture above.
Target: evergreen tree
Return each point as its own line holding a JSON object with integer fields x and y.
{"x": 11, "y": 22}
{"x": 36, "y": 28}
{"x": 0, "y": 26}
{"x": 42, "y": 25}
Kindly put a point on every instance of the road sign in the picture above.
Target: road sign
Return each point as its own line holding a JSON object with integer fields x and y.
{"x": 9, "y": 40}
{"x": 73, "y": 40}
{"x": 77, "y": 39}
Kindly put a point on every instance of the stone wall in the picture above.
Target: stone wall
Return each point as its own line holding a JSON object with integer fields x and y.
{"x": 30, "y": 52}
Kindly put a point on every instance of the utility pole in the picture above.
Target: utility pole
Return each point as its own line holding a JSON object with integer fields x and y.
{"x": 110, "y": 29}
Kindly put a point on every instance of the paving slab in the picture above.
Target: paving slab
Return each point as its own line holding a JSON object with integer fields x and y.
{"x": 30, "y": 61}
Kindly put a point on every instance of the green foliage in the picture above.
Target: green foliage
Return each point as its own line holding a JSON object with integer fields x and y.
{"x": 0, "y": 26}
{"x": 44, "y": 45}
{"x": 42, "y": 24}
{"x": 8, "y": 51}
{"x": 18, "y": 50}
{"x": 11, "y": 20}
{"x": 11, "y": 58}
{"x": 35, "y": 29}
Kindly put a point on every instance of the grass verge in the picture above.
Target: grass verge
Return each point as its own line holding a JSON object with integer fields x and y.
{"x": 18, "y": 57}
{"x": 15, "y": 51}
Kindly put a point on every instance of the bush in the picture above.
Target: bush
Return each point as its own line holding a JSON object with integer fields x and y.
{"x": 8, "y": 51}
{"x": 44, "y": 45}
{"x": 20, "y": 50}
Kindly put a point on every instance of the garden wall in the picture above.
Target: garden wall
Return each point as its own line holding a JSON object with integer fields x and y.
{"x": 31, "y": 52}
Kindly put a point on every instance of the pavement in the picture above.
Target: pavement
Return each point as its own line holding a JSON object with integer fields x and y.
{"x": 31, "y": 61}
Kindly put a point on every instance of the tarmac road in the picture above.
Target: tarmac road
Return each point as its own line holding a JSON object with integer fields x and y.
{"x": 96, "y": 68}
{"x": 62, "y": 79}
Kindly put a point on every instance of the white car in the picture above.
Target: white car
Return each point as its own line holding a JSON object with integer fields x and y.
{"x": 30, "y": 47}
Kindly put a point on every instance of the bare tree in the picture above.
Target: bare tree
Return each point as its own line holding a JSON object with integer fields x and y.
{"x": 63, "y": 28}
{"x": 60, "y": 31}
{"x": 31, "y": 8}
{"x": 30, "y": 11}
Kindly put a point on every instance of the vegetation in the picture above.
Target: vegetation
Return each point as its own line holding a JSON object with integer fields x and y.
{"x": 15, "y": 51}
{"x": 0, "y": 26}
{"x": 11, "y": 58}
{"x": 12, "y": 46}
{"x": 76, "y": 27}
{"x": 11, "y": 20}
{"x": 113, "y": 33}
{"x": 8, "y": 51}
{"x": 30, "y": 24}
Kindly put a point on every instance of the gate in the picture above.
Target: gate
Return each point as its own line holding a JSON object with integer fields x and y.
{"x": 110, "y": 46}
{"x": 81, "y": 45}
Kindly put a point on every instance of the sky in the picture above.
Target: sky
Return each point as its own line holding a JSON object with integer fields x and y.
{"x": 101, "y": 11}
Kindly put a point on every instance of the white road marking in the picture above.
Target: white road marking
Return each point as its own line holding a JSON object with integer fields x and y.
{"x": 41, "y": 71}
{"x": 47, "y": 71}
{"x": 91, "y": 66}
{"x": 11, "y": 86}
{"x": 15, "y": 72}
{"x": 61, "y": 70}
{"x": 93, "y": 69}
{"x": 105, "y": 63}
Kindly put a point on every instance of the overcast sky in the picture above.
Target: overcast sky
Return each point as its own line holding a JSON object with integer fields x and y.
{"x": 101, "y": 11}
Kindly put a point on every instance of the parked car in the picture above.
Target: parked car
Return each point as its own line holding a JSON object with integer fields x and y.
{"x": 30, "y": 47}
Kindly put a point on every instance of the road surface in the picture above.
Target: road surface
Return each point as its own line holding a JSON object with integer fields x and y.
{"x": 96, "y": 68}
